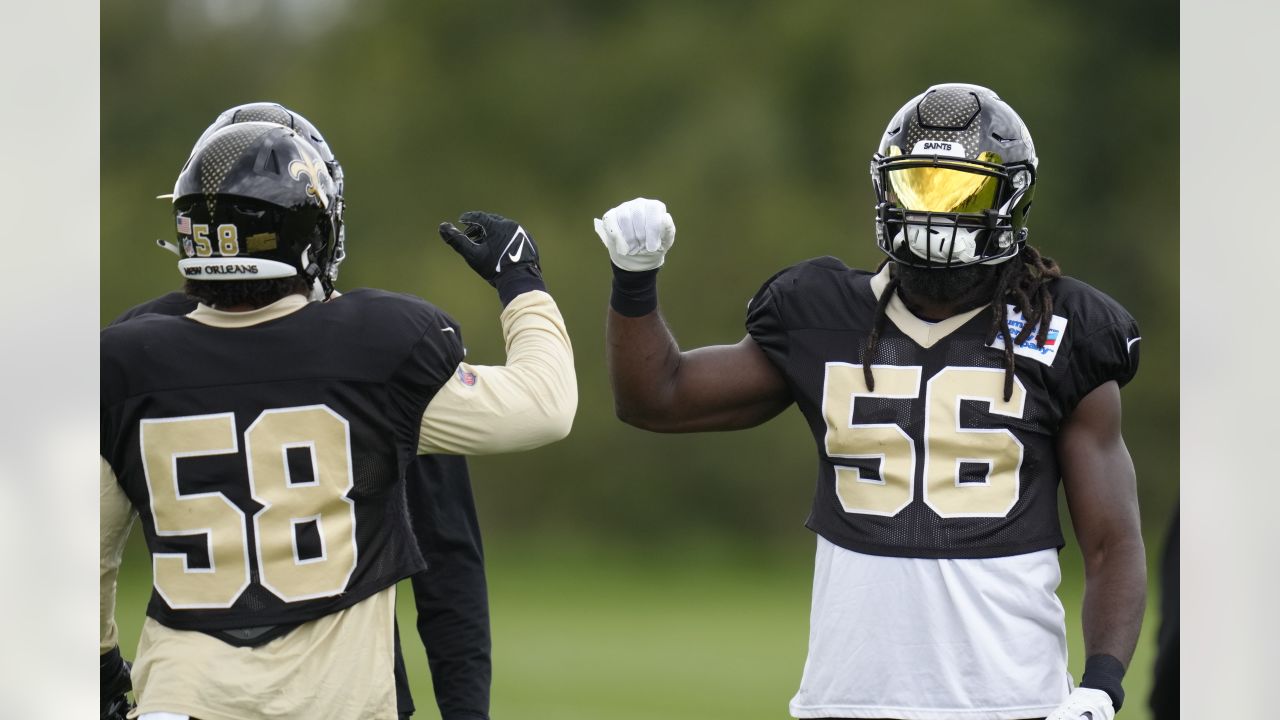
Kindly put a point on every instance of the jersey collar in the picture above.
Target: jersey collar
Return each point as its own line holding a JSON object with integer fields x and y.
{"x": 925, "y": 334}
{"x": 223, "y": 319}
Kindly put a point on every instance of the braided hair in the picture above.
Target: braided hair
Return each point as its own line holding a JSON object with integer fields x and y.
{"x": 1022, "y": 281}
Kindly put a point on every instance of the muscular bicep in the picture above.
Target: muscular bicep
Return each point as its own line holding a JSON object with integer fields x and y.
{"x": 1097, "y": 472}
{"x": 721, "y": 387}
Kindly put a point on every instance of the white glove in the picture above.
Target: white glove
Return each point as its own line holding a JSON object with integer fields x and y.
{"x": 638, "y": 233}
{"x": 1085, "y": 704}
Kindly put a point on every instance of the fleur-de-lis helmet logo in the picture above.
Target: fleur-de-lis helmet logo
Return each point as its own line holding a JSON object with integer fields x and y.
{"x": 312, "y": 166}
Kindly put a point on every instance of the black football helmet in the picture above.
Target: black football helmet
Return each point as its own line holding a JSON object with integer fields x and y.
{"x": 281, "y": 115}
{"x": 256, "y": 201}
{"x": 954, "y": 177}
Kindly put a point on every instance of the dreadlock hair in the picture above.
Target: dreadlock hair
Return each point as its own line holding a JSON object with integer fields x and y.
{"x": 255, "y": 293}
{"x": 1021, "y": 281}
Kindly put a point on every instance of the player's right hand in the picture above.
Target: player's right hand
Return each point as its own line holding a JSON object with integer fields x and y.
{"x": 638, "y": 233}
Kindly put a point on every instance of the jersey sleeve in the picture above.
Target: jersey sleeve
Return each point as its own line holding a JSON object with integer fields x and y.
{"x": 765, "y": 322}
{"x": 427, "y": 367}
{"x": 115, "y": 515}
{"x": 1108, "y": 351}
{"x": 526, "y": 403}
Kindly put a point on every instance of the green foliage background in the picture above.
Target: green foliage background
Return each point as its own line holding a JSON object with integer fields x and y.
{"x": 755, "y": 122}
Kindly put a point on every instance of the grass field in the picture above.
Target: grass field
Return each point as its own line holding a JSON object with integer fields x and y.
{"x": 586, "y": 633}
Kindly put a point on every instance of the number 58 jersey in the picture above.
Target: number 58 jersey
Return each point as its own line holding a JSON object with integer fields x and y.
{"x": 264, "y": 451}
{"x": 933, "y": 461}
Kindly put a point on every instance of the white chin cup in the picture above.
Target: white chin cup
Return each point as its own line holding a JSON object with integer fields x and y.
{"x": 935, "y": 241}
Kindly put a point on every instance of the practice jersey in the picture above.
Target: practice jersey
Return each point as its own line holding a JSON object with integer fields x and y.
{"x": 934, "y": 462}
{"x": 266, "y": 461}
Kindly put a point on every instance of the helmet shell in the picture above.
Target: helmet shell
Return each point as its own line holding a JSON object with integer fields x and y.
{"x": 255, "y": 200}
{"x": 955, "y": 128}
{"x": 276, "y": 113}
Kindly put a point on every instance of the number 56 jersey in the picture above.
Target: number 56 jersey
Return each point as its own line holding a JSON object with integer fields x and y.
{"x": 263, "y": 451}
{"x": 933, "y": 461}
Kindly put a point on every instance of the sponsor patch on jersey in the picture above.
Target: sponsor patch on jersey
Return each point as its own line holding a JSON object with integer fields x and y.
{"x": 467, "y": 377}
{"x": 938, "y": 147}
{"x": 1046, "y": 354}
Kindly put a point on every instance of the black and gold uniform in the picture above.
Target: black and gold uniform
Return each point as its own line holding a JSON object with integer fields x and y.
{"x": 254, "y": 520}
{"x": 273, "y": 494}
{"x": 265, "y": 444}
{"x": 451, "y": 596}
{"x": 934, "y": 463}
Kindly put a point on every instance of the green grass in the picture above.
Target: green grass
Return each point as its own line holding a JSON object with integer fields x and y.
{"x": 590, "y": 633}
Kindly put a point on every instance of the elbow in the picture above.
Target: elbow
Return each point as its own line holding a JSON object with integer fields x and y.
{"x": 630, "y": 416}
{"x": 559, "y": 421}
{"x": 555, "y": 421}
{"x": 1124, "y": 552}
{"x": 640, "y": 417}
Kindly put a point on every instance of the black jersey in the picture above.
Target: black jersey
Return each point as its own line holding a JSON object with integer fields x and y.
{"x": 266, "y": 461}
{"x": 173, "y": 303}
{"x": 451, "y": 595}
{"x": 934, "y": 462}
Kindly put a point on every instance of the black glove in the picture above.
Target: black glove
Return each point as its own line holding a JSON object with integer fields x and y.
{"x": 499, "y": 250}
{"x": 113, "y": 683}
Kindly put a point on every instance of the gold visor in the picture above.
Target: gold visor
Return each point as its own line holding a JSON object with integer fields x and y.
{"x": 942, "y": 189}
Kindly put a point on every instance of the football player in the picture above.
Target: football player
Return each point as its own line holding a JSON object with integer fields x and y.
{"x": 947, "y": 393}
{"x": 451, "y": 596}
{"x": 263, "y": 439}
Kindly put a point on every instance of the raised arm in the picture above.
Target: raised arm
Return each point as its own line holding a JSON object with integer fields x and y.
{"x": 655, "y": 385}
{"x": 1100, "y": 484}
{"x": 531, "y": 400}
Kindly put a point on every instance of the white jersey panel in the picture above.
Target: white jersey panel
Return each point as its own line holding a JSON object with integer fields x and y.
{"x": 934, "y": 639}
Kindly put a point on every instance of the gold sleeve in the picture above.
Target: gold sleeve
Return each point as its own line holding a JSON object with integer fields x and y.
{"x": 527, "y": 403}
{"x": 115, "y": 516}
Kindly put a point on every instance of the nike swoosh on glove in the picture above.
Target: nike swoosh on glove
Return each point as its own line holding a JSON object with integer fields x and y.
{"x": 638, "y": 233}
{"x": 499, "y": 250}
{"x": 1085, "y": 704}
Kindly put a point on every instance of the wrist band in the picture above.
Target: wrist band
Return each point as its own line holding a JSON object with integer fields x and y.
{"x": 1104, "y": 672}
{"x": 517, "y": 281}
{"x": 635, "y": 294}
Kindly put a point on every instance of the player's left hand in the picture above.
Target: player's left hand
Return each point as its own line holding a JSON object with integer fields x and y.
{"x": 1085, "y": 704}
{"x": 499, "y": 250}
